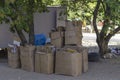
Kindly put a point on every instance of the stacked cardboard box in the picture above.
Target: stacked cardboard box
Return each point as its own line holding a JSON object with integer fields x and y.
{"x": 73, "y": 34}
{"x": 27, "y": 57}
{"x": 44, "y": 59}
{"x": 68, "y": 63}
{"x": 14, "y": 57}
{"x": 61, "y": 17}
{"x": 57, "y": 39}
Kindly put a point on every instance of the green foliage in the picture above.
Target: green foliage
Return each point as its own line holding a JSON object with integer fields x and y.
{"x": 77, "y": 9}
{"x": 19, "y": 14}
{"x": 107, "y": 11}
{"x": 110, "y": 11}
{"x": 16, "y": 12}
{"x": 2, "y": 3}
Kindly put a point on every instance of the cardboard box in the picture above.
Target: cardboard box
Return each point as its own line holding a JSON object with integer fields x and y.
{"x": 14, "y": 58}
{"x": 68, "y": 63}
{"x": 84, "y": 51}
{"x": 57, "y": 39}
{"x": 27, "y": 57}
{"x": 73, "y": 36}
{"x": 44, "y": 62}
{"x": 73, "y": 33}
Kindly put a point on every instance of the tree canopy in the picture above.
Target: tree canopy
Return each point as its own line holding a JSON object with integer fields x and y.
{"x": 106, "y": 10}
{"x": 19, "y": 14}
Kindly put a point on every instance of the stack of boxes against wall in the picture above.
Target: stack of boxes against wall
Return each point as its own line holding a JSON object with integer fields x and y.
{"x": 58, "y": 35}
{"x": 70, "y": 63}
{"x": 69, "y": 60}
{"x": 41, "y": 59}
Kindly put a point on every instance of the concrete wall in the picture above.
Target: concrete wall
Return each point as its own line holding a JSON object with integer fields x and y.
{"x": 43, "y": 23}
{"x": 5, "y": 35}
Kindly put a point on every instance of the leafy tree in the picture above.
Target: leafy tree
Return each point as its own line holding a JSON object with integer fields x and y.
{"x": 111, "y": 18}
{"x": 20, "y": 15}
{"x": 106, "y": 10}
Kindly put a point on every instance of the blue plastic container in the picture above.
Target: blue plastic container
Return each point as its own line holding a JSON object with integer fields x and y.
{"x": 40, "y": 39}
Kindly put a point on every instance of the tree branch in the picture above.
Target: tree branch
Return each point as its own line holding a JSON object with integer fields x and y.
{"x": 95, "y": 13}
{"x": 103, "y": 5}
{"x": 113, "y": 33}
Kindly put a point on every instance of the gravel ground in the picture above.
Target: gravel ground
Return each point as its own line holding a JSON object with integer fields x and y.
{"x": 108, "y": 69}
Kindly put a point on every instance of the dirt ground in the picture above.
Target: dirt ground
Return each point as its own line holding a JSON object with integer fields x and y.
{"x": 105, "y": 69}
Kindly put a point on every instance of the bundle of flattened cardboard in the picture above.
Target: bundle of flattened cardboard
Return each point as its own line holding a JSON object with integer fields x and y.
{"x": 57, "y": 37}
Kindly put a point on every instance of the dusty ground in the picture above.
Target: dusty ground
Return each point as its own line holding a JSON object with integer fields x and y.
{"x": 108, "y": 69}
{"x": 105, "y": 69}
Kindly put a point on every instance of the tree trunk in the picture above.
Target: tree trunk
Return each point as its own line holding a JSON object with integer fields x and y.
{"x": 30, "y": 12}
{"x": 31, "y": 33}
{"x": 103, "y": 46}
{"x": 21, "y": 36}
